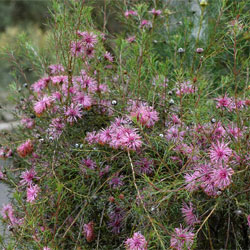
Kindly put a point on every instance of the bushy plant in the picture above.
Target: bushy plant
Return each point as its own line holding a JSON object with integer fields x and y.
{"x": 136, "y": 139}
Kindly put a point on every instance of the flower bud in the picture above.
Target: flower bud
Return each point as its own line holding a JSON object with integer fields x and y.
{"x": 111, "y": 199}
{"x": 203, "y": 3}
{"x": 180, "y": 50}
{"x": 199, "y": 50}
{"x": 121, "y": 196}
{"x": 114, "y": 102}
{"x": 171, "y": 102}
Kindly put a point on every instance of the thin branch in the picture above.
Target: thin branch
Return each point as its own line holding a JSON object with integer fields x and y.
{"x": 140, "y": 198}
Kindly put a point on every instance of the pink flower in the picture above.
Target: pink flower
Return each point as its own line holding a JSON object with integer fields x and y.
{"x": 109, "y": 66}
{"x": 146, "y": 115}
{"x": 46, "y": 248}
{"x": 238, "y": 104}
{"x": 59, "y": 79}
{"x": 57, "y": 96}
{"x": 235, "y": 132}
{"x": 2, "y": 176}
{"x": 119, "y": 121}
{"x": 104, "y": 171}
{"x": 103, "y": 88}
{"x": 130, "y": 13}
{"x": 224, "y": 102}
{"x": 41, "y": 105}
{"x": 104, "y": 106}
{"x": 182, "y": 239}
{"x": 27, "y": 177}
{"x": 40, "y": 84}
{"x": 89, "y": 39}
{"x": 73, "y": 113}
{"x": 131, "y": 39}
{"x": 76, "y": 48}
{"x": 146, "y": 24}
{"x": 155, "y": 12}
{"x": 83, "y": 99}
{"x": 221, "y": 176}
{"x": 103, "y": 36}
{"x": 175, "y": 119}
{"x": 218, "y": 131}
{"x": 199, "y": 50}
{"x": 220, "y": 152}
{"x": 108, "y": 57}
{"x": 56, "y": 128}
{"x": 129, "y": 139}
{"x": 144, "y": 166}
{"x": 91, "y": 137}
{"x": 67, "y": 90}
{"x": 117, "y": 132}
{"x": 188, "y": 214}
{"x": 56, "y": 69}
{"x": 89, "y": 83}
{"x": 206, "y": 180}
{"x": 32, "y": 192}
{"x": 89, "y": 163}
{"x": 185, "y": 88}
{"x": 116, "y": 181}
{"x": 137, "y": 242}
{"x": 28, "y": 122}
{"x": 192, "y": 181}
{"x": 25, "y": 148}
{"x": 89, "y": 52}
{"x": 7, "y": 212}
{"x": 201, "y": 177}
{"x": 105, "y": 136}
{"x": 248, "y": 220}
{"x": 173, "y": 134}
{"x": 117, "y": 136}
{"x": 116, "y": 220}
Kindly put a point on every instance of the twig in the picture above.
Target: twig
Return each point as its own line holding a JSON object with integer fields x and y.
{"x": 99, "y": 232}
{"x": 140, "y": 198}
{"x": 228, "y": 227}
{"x": 206, "y": 219}
{"x": 73, "y": 222}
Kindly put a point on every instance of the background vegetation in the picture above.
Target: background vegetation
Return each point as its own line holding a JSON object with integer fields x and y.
{"x": 19, "y": 17}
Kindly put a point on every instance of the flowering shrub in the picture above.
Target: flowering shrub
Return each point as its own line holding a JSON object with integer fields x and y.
{"x": 129, "y": 141}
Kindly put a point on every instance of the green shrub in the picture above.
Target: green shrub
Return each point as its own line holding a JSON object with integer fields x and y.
{"x": 136, "y": 139}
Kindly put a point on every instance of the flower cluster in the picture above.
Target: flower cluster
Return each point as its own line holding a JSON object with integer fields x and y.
{"x": 185, "y": 88}
{"x": 189, "y": 216}
{"x": 210, "y": 179}
{"x": 25, "y": 149}
{"x": 137, "y": 242}
{"x": 85, "y": 45}
{"x": 182, "y": 239}
{"x": 7, "y": 213}
{"x": 144, "y": 114}
{"x": 118, "y": 135}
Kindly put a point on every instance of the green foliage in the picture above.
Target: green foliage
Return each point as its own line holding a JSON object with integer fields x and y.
{"x": 149, "y": 71}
